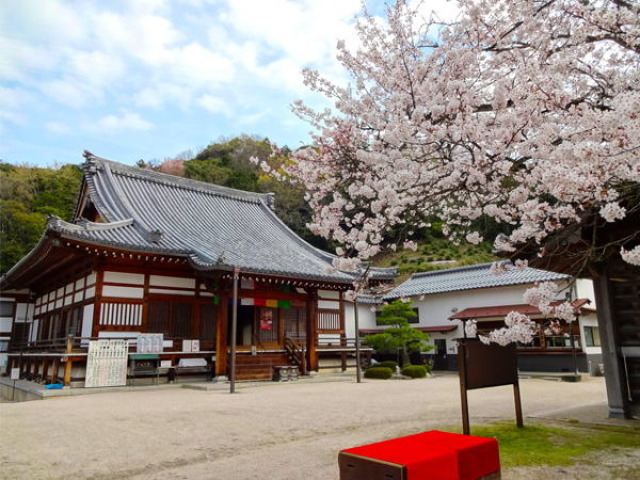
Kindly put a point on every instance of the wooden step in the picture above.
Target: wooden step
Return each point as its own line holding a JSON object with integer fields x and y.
{"x": 260, "y": 366}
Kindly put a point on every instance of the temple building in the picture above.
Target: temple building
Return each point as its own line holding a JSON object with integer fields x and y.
{"x": 164, "y": 264}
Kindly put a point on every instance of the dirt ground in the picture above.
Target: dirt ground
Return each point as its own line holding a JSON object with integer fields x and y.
{"x": 268, "y": 431}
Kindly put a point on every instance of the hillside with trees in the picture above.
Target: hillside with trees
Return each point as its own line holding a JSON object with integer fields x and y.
{"x": 27, "y": 196}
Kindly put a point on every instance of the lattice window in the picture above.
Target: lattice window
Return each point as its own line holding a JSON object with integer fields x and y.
{"x": 121, "y": 314}
{"x": 208, "y": 322}
{"x": 173, "y": 319}
{"x": 295, "y": 323}
{"x": 328, "y": 319}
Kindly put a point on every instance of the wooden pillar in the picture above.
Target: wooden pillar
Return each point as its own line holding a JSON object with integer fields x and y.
{"x": 45, "y": 368}
{"x": 68, "y": 366}
{"x": 614, "y": 373}
{"x": 54, "y": 369}
{"x": 312, "y": 329}
{"x": 95, "y": 329}
{"x": 222, "y": 326}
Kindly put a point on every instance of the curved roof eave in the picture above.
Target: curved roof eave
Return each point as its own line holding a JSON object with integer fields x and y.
{"x": 28, "y": 262}
{"x": 200, "y": 265}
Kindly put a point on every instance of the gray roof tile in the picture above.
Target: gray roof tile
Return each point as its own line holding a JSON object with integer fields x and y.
{"x": 469, "y": 278}
{"x": 215, "y": 227}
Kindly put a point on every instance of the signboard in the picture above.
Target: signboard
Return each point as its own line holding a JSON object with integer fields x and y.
{"x": 15, "y": 374}
{"x": 107, "y": 363}
{"x": 150, "y": 343}
{"x": 482, "y": 366}
{"x": 489, "y": 365}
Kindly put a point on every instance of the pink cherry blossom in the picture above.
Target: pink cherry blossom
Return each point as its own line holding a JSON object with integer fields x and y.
{"x": 524, "y": 111}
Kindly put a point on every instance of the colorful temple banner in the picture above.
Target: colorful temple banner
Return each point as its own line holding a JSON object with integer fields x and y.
{"x": 262, "y": 302}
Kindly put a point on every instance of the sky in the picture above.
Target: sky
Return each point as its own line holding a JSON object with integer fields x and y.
{"x": 150, "y": 79}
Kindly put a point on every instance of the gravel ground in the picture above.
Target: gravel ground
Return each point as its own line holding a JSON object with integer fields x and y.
{"x": 267, "y": 431}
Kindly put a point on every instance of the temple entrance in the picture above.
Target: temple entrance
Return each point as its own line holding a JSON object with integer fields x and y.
{"x": 246, "y": 315}
{"x": 258, "y": 326}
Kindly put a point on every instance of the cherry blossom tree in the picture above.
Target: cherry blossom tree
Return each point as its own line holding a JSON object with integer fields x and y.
{"x": 524, "y": 111}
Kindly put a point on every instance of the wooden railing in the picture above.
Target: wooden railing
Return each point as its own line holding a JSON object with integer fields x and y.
{"x": 340, "y": 343}
{"x": 81, "y": 344}
{"x": 296, "y": 354}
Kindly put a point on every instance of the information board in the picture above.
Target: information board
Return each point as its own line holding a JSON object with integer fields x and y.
{"x": 107, "y": 363}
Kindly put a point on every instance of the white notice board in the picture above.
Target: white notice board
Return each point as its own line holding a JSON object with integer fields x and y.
{"x": 107, "y": 363}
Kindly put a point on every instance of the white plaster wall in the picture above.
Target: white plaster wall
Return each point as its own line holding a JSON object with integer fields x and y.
{"x": 590, "y": 320}
{"x": 584, "y": 289}
{"x": 329, "y": 305}
{"x": 24, "y": 312}
{"x": 34, "y": 331}
{"x": 5, "y": 325}
{"x": 332, "y": 294}
{"x": 122, "y": 292}
{"x": 435, "y": 309}
{"x": 87, "y": 320}
{"x": 121, "y": 277}
{"x": 172, "y": 282}
{"x": 366, "y": 318}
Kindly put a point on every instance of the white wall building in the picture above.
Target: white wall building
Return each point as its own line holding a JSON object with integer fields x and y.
{"x": 475, "y": 292}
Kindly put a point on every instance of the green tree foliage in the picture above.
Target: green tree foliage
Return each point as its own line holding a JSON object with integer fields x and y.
{"x": 27, "y": 196}
{"x": 228, "y": 162}
{"x": 401, "y": 337}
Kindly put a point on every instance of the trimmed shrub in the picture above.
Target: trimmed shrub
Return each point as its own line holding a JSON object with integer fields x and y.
{"x": 414, "y": 371}
{"x": 382, "y": 373}
{"x": 392, "y": 364}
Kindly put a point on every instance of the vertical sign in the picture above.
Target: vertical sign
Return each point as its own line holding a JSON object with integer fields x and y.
{"x": 107, "y": 363}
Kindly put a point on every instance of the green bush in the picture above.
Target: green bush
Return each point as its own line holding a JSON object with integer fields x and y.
{"x": 383, "y": 373}
{"x": 414, "y": 371}
{"x": 392, "y": 364}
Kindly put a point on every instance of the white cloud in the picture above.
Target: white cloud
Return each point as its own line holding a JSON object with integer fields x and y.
{"x": 214, "y": 104}
{"x": 194, "y": 64}
{"x": 58, "y": 128}
{"x": 13, "y": 104}
{"x": 120, "y": 123}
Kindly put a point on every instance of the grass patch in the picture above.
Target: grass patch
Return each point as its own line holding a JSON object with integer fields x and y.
{"x": 536, "y": 445}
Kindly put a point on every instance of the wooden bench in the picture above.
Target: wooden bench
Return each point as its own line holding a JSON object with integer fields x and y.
{"x": 429, "y": 455}
{"x": 285, "y": 373}
{"x": 191, "y": 365}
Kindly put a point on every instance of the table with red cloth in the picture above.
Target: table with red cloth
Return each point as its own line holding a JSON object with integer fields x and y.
{"x": 432, "y": 455}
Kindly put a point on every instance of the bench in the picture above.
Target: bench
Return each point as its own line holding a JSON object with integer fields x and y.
{"x": 191, "y": 365}
{"x": 285, "y": 373}
{"x": 434, "y": 454}
{"x": 144, "y": 365}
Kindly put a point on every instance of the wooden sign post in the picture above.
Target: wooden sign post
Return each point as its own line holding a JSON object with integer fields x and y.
{"x": 482, "y": 366}
{"x": 15, "y": 376}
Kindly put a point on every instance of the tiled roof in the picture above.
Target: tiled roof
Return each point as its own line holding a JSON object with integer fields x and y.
{"x": 213, "y": 227}
{"x": 502, "y": 311}
{"x": 469, "y": 278}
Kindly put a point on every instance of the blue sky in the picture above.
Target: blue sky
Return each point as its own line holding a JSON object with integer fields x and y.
{"x": 148, "y": 79}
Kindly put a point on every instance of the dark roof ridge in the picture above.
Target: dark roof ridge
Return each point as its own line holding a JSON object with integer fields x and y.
{"x": 57, "y": 224}
{"x": 93, "y": 162}
{"x": 466, "y": 268}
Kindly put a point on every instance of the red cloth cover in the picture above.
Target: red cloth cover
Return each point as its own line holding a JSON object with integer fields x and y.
{"x": 437, "y": 455}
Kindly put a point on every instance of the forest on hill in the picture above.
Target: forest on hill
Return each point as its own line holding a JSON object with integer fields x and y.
{"x": 29, "y": 194}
